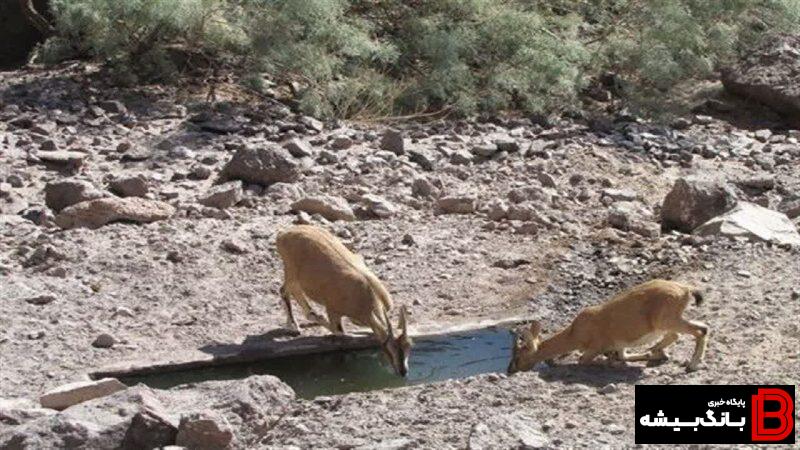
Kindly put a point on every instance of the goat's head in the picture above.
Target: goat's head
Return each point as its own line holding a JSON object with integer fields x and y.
{"x": 526, "y": 346}
{"x": 398, "y": 348}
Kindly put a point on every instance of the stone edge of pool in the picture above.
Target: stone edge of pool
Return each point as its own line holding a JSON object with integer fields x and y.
{"x": 303, "y": 345}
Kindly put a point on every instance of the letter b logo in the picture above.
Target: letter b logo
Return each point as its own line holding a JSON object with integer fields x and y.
{"x": 783, "y": 415}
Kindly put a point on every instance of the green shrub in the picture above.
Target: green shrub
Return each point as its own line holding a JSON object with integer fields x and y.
{"x": 364, "y": 58}
{"x": 137, "y": 38}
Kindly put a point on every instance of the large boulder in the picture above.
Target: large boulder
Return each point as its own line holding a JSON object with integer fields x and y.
{"x": 144, "y": 418}
{"x": 99, "y": 423}
{"x": 769, "y": 75}
{"x": 693, "y": 201}
{"x": 753, "y": 222}
{"x": 96, "y": 213}
{"x": 264, "y": 165}
{"x": 61, "y": 194}
{"x": 328, "y": 206}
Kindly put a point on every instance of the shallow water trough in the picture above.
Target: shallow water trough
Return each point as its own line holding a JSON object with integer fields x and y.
{"x": 331, "y": 365}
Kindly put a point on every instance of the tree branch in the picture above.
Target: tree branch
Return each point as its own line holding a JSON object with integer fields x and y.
{"x": 36, "y": 19}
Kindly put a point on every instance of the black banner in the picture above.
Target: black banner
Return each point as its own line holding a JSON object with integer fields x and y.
{"x": 715, "y": 414}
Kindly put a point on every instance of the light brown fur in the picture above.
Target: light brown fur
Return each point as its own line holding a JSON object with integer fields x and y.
{"x": 643, "y": 313}
{"x": 319, "y": 268}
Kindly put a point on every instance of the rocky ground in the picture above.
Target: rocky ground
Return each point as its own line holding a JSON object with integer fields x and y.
{"x": 141, "y": 222}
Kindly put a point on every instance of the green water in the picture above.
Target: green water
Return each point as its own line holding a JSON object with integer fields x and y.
{"x": 432, "y": 359}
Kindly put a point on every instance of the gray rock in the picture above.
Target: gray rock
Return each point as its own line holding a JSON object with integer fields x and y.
{"x": 112, "y": 107}
{"x": 61, "y": 194}
{"x": 457, "y": 204}
{"x": 133, "y": 186}
{"x": 149, "y": 430}
{"x": 379, "y": 206}
{"x": 485, "y": 150}
{"x": 620, "y": 195}
{"x": 298, "y": 148}
{"x": 328, "y": 206}
{"x": 206, "y": 430}
{"x": 507, "y": 145}
{"x": 223, "y": 196}
{"x": 104, "y": 340}
{"x": 424, "y": 188}
{"x": 425, "y": 160}
{"x": 461, "y": 157}
{"x": 693, "y": 201}
{"x": 497, "y": 210}
{"x": 63, "y": 159}
{"x": 43, "y": 299}
{"x": 49, "y": 145}
{"x": 754, "y": 222}
{"x": 71, "y": 394}
{"x": 633, "y": 216}
{"x": 341, "y": 143}
{"x": 97, "y": 423}
{"x": 393, "y": 141}
{"x": 263, "y": 166}
{"x": 546, "y": 179}
{"x": 234, "y": 246}
{"x": 96, "y": 213}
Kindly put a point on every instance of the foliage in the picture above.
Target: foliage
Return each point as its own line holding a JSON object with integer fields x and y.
{"x": 359, "y": 58}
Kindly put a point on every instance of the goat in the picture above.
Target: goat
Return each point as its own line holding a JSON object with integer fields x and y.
{"x": 637, "y": 316}
{"x": 318, "y": 267}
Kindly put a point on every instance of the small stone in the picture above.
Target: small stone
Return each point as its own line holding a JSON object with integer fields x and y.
{"x": 263, "y": 166}
{"x": 393, "y": 141}
{"x": 422, "y": 187}
{"x": 763, "y": 135}
{"x": 298, "y": 148}
{"x": 547, "y": 180}
{"x": 379, "y": 206}
{"x": 608, "y": 389}
{"x": 133, "y": 186}
{"x": 457, "y": 204}
{"x": 199, "y": 172}
{"x": 63, "y": 159}
{"x": 205, "y": 430}
{"x": 341, "y": 143}
{"x": 485, "y": 150}
{"x": 113, "y": 106}
{"x": 42, "y": 299}
{"x": 180, "y": 152}
{"x": 328, "y": 206}
{"x": 15, "y": 180}
{"x": 104, "y": 340}
{"x": 48, "y": 146}
{"x": 223, "y": 196}
{"x": 234, "y": 246}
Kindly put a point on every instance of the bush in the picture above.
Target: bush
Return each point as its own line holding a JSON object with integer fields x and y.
{"x": 138, "y": 38}
{"x": 362, "y": 58}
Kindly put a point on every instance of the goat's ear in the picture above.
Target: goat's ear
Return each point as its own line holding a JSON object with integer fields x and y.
{"x": 402, "y": 325}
